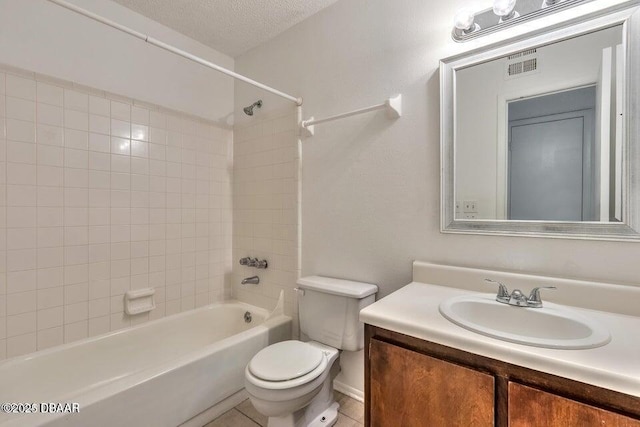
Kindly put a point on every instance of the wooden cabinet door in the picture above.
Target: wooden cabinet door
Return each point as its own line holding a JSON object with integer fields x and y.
{"x": 530, "y": 407}
{"x": 411, "y": 389}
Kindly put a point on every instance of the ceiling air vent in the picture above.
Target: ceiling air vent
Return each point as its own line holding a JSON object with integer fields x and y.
{"x": 521, "y": 63}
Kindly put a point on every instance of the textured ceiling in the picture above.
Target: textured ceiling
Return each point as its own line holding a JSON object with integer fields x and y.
{"x": 229, "y": 26}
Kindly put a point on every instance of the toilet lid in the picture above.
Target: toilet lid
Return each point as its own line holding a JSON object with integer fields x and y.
{"x": 285, "y": 360}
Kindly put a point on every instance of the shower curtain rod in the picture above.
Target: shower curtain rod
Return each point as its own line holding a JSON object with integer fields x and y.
{"x": 173, "y": 49}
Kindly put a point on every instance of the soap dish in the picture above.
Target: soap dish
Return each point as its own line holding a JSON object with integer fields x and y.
{"x": 139, "y": 301}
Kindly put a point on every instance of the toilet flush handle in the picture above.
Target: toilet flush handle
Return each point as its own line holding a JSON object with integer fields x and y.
{"x": 300, "y": 291}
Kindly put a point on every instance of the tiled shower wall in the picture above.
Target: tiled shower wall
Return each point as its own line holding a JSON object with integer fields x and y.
{"x": 266, "y": 207}
{"x": 99, "y": 195}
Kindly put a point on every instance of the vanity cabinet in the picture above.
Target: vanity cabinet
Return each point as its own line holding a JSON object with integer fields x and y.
{"x": 412, "y": 382}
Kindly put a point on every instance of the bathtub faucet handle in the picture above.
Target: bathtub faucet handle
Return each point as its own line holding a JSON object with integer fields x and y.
{"x": 245, "y": 261}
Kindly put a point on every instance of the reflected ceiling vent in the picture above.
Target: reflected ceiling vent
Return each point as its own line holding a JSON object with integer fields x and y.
{"x": 522, "y": 63}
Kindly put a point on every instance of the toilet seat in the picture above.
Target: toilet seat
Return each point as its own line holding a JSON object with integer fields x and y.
{"x": 285, "y": 361}
{"x": 304, "y": 364}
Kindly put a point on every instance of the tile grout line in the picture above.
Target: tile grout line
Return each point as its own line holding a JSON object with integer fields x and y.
{"x": 246, "y": 416}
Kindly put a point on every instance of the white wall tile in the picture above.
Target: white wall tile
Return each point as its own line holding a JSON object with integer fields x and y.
{"x": 22, "y": 344}
{"x": 139, "y": 115}
{"x": 50, "y": 135}
{"x": 49, "y": 281}
{"x": 120, "y": 163}
{"x": 22, "y": 195}
{"x": 20, "y": 87}
{"x": 21, "y": 152}
{"x": 99, "y": 106}
{"x": 21, "y": 174}
{"x": 76, "y": 158}
{"x": 99, "y": 143}
{"x": 50, "y": 317}
{"x": 99, "y": 161}
{"x": 50, "y": 155}
{"x": 50, "y": 337}
{"x": 120, "y": 128}
{"x": 78, "y": 139}
{"x": 21, "y": 281}
{"x": 76, "y": 120}
{"x": 76, "y": 100}
{"x": 99, "y": 124}
{"x": 20, "y": 324}
{"x": 76, "y": 331}
{"x": 120, "y": 110}
{"x": 49, "y": 94}
{"x": 88, "y": 213}
{"x": 21, "y": 302}
{"x": 120, "y": 146}
{"x": 50, "y": 115}
{"x": 265, "y": 209}
{"x": 20, "y": 130}
{"x": 20, "y": 109}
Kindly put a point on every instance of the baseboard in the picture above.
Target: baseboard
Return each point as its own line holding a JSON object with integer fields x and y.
{"x": 216, "y": 410}
{"x": 348, "y": 390}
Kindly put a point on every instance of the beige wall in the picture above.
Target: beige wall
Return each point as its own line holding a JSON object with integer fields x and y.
{"x": 371, "y": 187}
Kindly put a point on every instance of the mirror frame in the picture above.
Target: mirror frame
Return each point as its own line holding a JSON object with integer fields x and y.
{"x": 627, "y": 15}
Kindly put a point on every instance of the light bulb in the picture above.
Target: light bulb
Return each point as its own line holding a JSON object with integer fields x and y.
{"x": 464, "y": 19}
{"x": 504, "y": 8}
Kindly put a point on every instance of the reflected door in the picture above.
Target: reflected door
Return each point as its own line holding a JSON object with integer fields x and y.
{"x": 546, "y": 168}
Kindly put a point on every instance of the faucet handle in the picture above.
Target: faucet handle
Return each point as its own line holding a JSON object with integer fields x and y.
{"x": 245, "y": 260}
{"x": 534, "y": 297}
{"x": 503, "y": 292}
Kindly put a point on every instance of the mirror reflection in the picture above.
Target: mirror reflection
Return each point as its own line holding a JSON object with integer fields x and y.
{"x": 539, "y": 135}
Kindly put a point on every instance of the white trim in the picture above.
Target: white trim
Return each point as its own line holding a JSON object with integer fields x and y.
{"x": 348, "y": 390}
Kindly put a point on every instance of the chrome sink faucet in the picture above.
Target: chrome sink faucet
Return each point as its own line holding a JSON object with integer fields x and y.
{"x": 517, "y": 297}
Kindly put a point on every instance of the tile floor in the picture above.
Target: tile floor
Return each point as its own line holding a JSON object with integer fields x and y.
{"x": 351, "y": 414}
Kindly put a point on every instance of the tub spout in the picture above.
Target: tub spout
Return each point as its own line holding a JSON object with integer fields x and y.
{"x": 254, "y": 280}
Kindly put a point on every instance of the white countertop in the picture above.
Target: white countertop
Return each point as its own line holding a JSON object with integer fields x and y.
{"x": 413, "y": 310}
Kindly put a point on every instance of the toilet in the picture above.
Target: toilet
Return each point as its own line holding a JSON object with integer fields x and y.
{"x": 291, "y": 382}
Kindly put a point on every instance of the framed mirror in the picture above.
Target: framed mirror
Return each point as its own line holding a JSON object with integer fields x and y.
{"x": 539, "y": 136}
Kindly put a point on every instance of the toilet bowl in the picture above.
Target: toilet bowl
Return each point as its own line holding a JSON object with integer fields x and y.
{"x": 291, "y": 382}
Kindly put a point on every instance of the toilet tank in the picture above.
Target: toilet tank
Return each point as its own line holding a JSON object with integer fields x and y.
{"x": 329, "y": 310}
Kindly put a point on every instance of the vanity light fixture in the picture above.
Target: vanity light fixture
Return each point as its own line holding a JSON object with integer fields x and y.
{"x": 504, "y": 13}
{"x": 463, "y": 22}
{"x": 547, "y": 3}
{"x": 505, "y": 9}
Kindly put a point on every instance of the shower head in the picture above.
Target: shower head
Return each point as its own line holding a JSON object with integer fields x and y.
{"x": 249, "y": 110}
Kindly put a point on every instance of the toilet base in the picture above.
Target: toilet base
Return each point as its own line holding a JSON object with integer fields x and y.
{"x": 328, "y": 417}
{"x": 322, "y": 411}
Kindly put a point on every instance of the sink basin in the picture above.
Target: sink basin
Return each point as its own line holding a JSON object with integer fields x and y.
{"x": 552, "y": 326}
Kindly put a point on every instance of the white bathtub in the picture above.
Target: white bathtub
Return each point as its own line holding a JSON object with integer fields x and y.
{"x": 162, "y": 373}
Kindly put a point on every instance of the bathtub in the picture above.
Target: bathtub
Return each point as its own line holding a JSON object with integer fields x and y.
{"x": 162, "y": 373}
